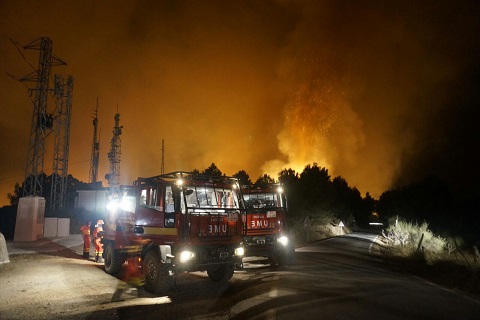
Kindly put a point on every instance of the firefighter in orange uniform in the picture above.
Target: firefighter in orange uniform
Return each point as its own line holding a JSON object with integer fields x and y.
{"x": 132, "y": 274}
{"x": 85, "y": 229}
{"x": 97, "y": 238}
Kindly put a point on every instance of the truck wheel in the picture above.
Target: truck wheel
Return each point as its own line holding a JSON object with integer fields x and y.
{"x": 222, "y": 274}
{"x": 113, "y": 260}
{"x": 157, "y": 278}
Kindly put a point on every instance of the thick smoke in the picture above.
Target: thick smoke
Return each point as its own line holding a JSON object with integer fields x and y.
{"x": 370, "y": 85}
{"x": 369, "y": 90}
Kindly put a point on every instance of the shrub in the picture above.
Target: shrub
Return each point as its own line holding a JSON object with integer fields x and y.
{"x": 413, "y": 238}
{"x": 432, "y": 257}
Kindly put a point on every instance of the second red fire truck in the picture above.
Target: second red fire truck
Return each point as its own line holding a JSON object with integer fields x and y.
{"x": 265, "y": 229}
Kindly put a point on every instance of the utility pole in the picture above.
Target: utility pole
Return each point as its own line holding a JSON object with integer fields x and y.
{"x": 162, "y": 168}
{"x": 95, "y": 149}
{"x": 42, "y": 122}
{"x": 113, "y": 176}
{"x": 63, "y": 96}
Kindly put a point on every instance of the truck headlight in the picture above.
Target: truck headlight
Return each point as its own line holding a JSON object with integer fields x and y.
{"x": 240, "y": 251}
{"x": 112, "y": 205}
{"x": 186, "y": 256}
{"x": 283, "y": 240}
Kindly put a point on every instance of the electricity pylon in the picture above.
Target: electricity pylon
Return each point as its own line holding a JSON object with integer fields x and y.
{"x": 42, "y": 122}
{"x": 62, "y": 119}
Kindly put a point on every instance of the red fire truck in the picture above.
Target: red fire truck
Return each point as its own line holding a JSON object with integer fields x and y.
{"x": 186, "y": 221}
{"x": 265, "y": 230}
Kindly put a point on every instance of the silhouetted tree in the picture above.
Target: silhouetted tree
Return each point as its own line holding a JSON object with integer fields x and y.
{"x": 347, "y": 201}
{"x": 243, "y": 177}
{"x": 316, "y": 188}
{"x": 17, "y": 193}
{"x": 213, "y": 170}
{"x": 427, "y": 200}
{"x": 264, "y": 180}
{"x": 8, "y": 213}
{"x": 289, "y": 178}
{"x": 73, "y": 185}
{"x": 290, "y": 181}
{"x": 365, "y": 212}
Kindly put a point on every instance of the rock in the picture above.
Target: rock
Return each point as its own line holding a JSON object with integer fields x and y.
{"x": 3, "y": 250}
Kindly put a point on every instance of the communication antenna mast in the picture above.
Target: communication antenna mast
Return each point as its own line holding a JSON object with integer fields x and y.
{"x": 162, "y": 168}
{"x": 63, "y": 97}
{"x": 95, "y": 149}
{"x": 42, "y": 122}
{"x": 113, "y": 176}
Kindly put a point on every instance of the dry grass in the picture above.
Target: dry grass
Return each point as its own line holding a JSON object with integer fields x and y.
{"x": 438, "y": 260}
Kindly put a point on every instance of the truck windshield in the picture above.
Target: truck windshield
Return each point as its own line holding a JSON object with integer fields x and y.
{"x": 263, "y": 200}
{"x": 209, "y": 197}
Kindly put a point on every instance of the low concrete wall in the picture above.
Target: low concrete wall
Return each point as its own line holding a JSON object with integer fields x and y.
{"x": 56, "y": 227}
{"x": 50, "y": 227}
{"x": 63, "y": 227}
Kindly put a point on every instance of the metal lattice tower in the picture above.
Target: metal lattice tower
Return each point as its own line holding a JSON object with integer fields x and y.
{"x": 114, "y": 155}
{"x": 62, "y": 119}
{"x": 95, "y": 149}
{"x": 41, "y": 121}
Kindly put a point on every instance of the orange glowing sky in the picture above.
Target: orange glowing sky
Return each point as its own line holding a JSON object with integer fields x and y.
{"x": 376, "y": 92}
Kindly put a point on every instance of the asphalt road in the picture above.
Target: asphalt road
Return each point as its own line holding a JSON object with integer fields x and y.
{"x": 332, "y": 279}
{"x": 336, "y": 278}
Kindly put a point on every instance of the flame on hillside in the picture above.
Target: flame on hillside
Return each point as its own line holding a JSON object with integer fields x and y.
{"x": 319, "y": 125}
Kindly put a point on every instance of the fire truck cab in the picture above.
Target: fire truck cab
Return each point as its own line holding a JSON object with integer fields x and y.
{"x": 265, "y": 230}
{"x": 186, "y": 222}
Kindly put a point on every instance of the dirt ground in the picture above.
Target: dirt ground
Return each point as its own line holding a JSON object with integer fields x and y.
{"x": 58, "y": 285}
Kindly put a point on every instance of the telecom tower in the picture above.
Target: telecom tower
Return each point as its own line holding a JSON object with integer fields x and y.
{"x": 42, "y": 122}
{"x": 113, "y": 176}
{"x": 95, "y": 149}
{"x": 63, "y": 96}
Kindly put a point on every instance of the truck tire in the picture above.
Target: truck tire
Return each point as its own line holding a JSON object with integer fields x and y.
{"x": 113, "y": 259}
{"x": 157, "y": 278}
{"x": 222, "y": 274}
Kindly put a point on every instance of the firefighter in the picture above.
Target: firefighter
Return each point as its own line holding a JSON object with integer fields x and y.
{"x": 96, "y": 238}
{"x": 132, "y": 274}
{"x": 85, "y": 229}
